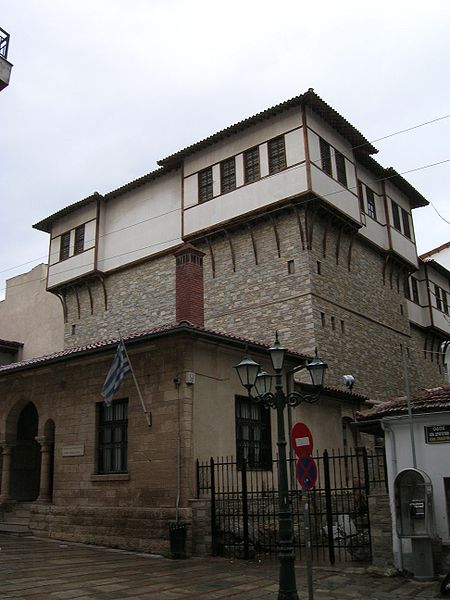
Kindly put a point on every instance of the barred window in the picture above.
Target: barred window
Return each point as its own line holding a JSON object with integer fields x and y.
{"x": 227, "y": 175}
{"x": 205, "y": 185}
{"x": 79, "y": 240}
{"x": 340, "y": 168}
{"x": 64, "y": 248}
{"x": 371, "y": 209}
{"x": 112, "y": 437}
{"x": 253, "y": 439}
{"x": 361, "y": 197}
{"x": 251, "y": 165}
{"x": 325, "y": 156}
{"x": 277, "y": 154}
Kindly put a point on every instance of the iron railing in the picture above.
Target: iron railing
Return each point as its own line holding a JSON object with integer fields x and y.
{"x": 244, "y": 506}
{"x": 4, "y": 43}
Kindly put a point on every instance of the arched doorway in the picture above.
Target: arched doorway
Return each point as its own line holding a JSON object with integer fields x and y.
{"x": 26, "y": 457}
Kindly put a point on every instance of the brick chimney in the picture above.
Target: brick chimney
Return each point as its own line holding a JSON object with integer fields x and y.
{"x": 189, "y": 285}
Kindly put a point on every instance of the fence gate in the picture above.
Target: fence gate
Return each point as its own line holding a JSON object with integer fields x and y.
{"x": 244, "y": 506}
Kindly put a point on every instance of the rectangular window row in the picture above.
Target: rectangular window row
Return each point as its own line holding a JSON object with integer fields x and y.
{"x": 401, "y": 219}
{"x": 327, "y": 164}
{"x": 276, "y": 151}
{"x": 78, "y": 247}
{"x": 441, "y": 299}
{"x": 367, "y": 202}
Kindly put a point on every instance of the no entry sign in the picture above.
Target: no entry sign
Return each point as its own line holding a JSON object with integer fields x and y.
{"x": 302, "y": 440}
{"x": 306, "y": 472}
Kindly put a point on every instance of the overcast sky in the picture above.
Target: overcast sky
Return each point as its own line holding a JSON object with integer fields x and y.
{"x": 102, "y": 89}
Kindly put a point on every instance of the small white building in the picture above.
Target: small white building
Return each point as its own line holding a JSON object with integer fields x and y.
{"x": 421, "y": 442}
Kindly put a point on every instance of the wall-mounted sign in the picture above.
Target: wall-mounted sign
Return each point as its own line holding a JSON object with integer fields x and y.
{"x": 437, "y": 434}
{"x": 73, "y": 450}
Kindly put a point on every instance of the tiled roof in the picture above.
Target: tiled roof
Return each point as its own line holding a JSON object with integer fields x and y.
{"x": 46, "y": 224}
{"x": 425, "y": 400}
{"x": 309, "y": 98}
{"x": 426, "y": 255}
{"x": 138, "y": 336}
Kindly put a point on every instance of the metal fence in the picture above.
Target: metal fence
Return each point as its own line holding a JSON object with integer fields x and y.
{"x": 244, "y": 506}
{"x": 4, "y": 43}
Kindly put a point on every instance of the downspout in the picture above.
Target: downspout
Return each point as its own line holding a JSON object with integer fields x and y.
{"x": 177, "y": 382}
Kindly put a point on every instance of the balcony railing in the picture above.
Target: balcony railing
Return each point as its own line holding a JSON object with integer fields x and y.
{"x": 4, "y": 43}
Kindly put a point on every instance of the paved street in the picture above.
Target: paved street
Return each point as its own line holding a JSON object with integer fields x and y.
{"x": 36, "y": 569}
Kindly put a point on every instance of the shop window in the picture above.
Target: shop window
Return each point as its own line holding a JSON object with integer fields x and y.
{"x": 253, "y": 438}
{"x": 112, "y": 437}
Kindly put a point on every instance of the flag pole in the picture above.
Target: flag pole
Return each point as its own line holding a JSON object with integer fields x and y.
{"x": 148, "y": 415}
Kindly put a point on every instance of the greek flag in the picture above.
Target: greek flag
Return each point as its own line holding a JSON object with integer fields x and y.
{"x": 117, "y": 372}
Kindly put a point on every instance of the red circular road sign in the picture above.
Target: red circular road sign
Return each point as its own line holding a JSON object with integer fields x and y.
{"x": 306, "y": 472}
{"x": 302, "y": 440}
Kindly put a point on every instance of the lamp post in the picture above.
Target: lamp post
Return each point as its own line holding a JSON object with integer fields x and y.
{"x": 251, "y": 375}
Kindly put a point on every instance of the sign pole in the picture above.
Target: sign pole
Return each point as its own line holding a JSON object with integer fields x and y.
{"x": 308, "y": 554}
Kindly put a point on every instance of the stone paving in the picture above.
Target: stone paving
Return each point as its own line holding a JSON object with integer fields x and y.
{"x": 37, "y": 569}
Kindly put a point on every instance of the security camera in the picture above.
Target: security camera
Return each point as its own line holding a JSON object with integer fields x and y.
{"x": 348, "y": 381}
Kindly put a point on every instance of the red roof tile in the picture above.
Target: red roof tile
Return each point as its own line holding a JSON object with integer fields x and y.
{"x": 423, "y": 401}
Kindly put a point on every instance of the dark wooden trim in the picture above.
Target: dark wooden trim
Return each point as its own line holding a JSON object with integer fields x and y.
{"x": 97, "y": 233}
{"x": 233, "y": 257}
{"x": 307, "y": 153}
{"x": 338, "y": 244}
{"x": 74, "y": 288}
{"x": 300, "y": 226}
{"x": 62, "y": 299}
{"x": 350, "y": 250}
{"x": 252, "y": 237}
{"x": 105, "y": 294}
{"x": 73, "y": 228}
{"x": 275, "y": 232}
{"x": 211, "y": 254}
{"x": 91, "y": 300}
{"x": 325, "y": 235}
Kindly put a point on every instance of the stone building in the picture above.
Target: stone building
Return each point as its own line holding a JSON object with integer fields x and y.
{"x": 282, "y": 222}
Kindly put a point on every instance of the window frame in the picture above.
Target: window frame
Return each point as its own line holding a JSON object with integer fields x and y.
{"x": 405, "y": 223}
{"x": 396, "y": 219}
{"x": 64, "y": 248}
{"x": 228, "y": 175}
{"x": 113, "y": 425}
{"x": 256, "y": 447}
{"x": 205, "y": 185}
{"x": 415, "y": 290}
{"x": 371, "y": 204}
{"x": 325, "y": 156}
{"x": 341, "y": 170}
{"x": 252, "y": 167}
{"x": 276, "y": 152}
{"x": 80, "y": 231}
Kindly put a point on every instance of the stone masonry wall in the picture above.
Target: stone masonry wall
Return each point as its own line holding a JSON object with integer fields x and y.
{"x": 140, "y": 297}
{"x": 111, "y": 508}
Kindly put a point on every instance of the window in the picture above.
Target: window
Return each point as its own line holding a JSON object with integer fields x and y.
{"x": 396, "y": 215}
{"x": 340, "y": 168}
{"x": 441, "y": 299}
{"x": 227, "y": 175}
{"x": 291, "y": 267}
{"x": 251, "y": 165}
{"x": 325, "y": 156}
{"x": 64, "y": 248}
{"x": 371, "y": 210}
{"x": 406, "y": 226}
{"x": 79, "y": 240}
{"x": 205, "y": 185}
{"x": 112, "y": 440}
{"x": 361, "y": 198}
{"x": 445, "y": 301}
{"x": 406, "y": 291}
{"x": 277, "y": 155}
{"x": 253, "y": 440}
{"x": 415, "y": 290}
{"x": 437, "y": 293}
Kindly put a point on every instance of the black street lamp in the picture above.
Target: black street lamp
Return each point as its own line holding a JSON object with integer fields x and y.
{"x": 251, "y": 375}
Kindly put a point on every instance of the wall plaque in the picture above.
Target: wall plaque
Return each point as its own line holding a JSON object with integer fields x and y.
{"x": 73, "y": 450}
{"x": 437, "y": 434}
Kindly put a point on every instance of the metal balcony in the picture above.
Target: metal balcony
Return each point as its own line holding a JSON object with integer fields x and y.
{"x": 4, "y": 43}
{"x": 5, "y": 66}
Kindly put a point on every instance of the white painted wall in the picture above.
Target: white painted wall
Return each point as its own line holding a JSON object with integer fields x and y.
{"x": 140, "y": 223}
{"x": 245, "y": 199}
{"x": 433, "y": 459}
{"x": 334, "y": 193}
{"x": 442, "y": 257}
{"x": 403, "y": 246}
{"x": 237, "y": 143}
{"x": 73, "y": 267}
{"x": 72, "y": 220}
{"x": 418, "y": 314}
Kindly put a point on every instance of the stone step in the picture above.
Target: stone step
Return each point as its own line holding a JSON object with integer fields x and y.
{"x": 13, "y": 518}
{"x": 15, "y": 528}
